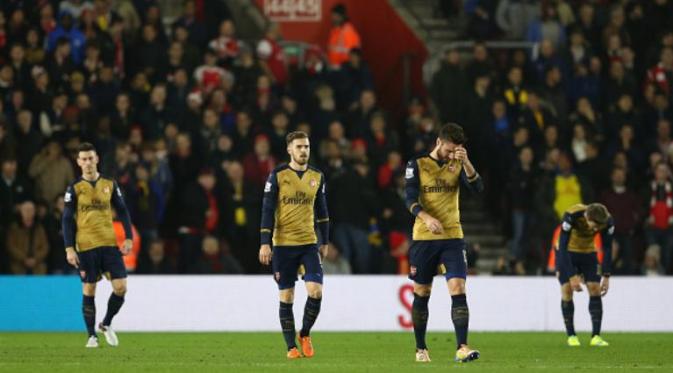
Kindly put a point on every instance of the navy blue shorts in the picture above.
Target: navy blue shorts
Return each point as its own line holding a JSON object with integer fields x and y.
{"x": 104, "y": 260}
{"x": 287, "y": 261}
{"x": 584, "y": 264}
{"x": 430, "y": 258}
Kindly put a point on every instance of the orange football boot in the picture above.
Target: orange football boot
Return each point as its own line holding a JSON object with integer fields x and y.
{"x": 293, "y": 353}
{"x": 306, "y": 346}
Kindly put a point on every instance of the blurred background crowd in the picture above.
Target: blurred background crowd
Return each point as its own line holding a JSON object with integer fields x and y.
{"x": 189, "y": 119}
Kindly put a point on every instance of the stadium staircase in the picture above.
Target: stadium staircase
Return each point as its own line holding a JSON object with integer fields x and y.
{"x": 481, "y": 232}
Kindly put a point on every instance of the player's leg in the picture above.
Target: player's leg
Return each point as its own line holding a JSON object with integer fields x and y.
{"x": 423, "y": 261}
{"x": 596, "y": 312}
{"x": 89, "y": 271}
{"x": 568, "y": 312}
{"x": 114, "y": 265}
{"x": 590, "y": 269}
{"x": 313, "y": 278}
{"x": 567, "y": 304}
{"x": 285, "y": 263}
{"x": 454, "y": 260}
{"x": 89, "y": 312}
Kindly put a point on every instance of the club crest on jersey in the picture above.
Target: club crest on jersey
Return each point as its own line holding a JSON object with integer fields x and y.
{"x": 412, "y": 271}
{"x": 106, "y": 190}
{"x": 277, "y": 276}
{"x": 312, "y": 183}
{"x": 82, "y": 274}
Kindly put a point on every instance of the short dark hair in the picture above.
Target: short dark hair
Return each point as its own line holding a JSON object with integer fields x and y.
{"x": 85, "y": 147}
{"x": 452, "y": 132}
{"x": 598, "y": 213}
{"x": 294, "y": 135}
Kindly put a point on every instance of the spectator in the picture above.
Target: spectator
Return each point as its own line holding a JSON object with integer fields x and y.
{"x": 66, "y": 28}
{"x": 521, "y": 184}
{"x": 334, "y": 263}
{"x": 625, "y": 207}
{"x": 547, "y": 27}
{"x": 226, "y": 46}
{"x": 199, "y": 215}
{"x": 156, "y": 261}
{"x": 447, "y": 86}
{"x": 512, "y": 16}
{"x": 29, "y": 138}
{"x": 272, "y": 57}
{"x": 209, "y": 76}
{"x": 14, "y": 189}
{"x": 191, "y": 23}
{"x": 51, "y": 171}
{"x": 342, "y": 37}
{"x": 27, "y": 243}
{"x": 353, "y": 78}
{"x": 56, "y": 262}
{"x": 660, "y": 215}
{"x": 356, "y": 205}
{"x": 241, "y": 201}
{"x": 259, "y": 164}
{"x": 215, "y": 259}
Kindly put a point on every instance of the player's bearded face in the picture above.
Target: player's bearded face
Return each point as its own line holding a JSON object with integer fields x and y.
{"x": 445, "y": 150}
{"x": 300, "y": 150}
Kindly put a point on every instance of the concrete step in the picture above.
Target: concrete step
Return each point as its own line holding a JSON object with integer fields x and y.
{"x": 443, "y": 34}
{"x": 485, "y": 240}
{"x": 436, "y": 23}
{"x": 479, "y": 229}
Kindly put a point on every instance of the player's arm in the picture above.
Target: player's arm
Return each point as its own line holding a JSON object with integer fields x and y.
{"x": 269, "y": 203}
{"x": 322, "y": 216}
{"x": 606, "y": 238}
{"x": 69, "y": 227}
{"x": 472, "y": 181}
{"x": 412, "y": 193}
{"x": 123, "y": 216}
{"x": 469, "y": 175}
{"x": 564, "y": 265}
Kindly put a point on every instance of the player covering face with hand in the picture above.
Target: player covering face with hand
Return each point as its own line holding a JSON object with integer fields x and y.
{"x": 432, "y": 193}
{"x": 294, "y": 204}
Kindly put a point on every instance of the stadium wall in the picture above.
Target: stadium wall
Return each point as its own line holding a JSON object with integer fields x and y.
{"x": 351, "y": 303}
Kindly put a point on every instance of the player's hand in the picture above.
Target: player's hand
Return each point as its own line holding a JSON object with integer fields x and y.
{"x": 127, "y": 246}
{"x": 605, "y": 285}
{"x": 460, "y": 154}
{"x": 576, "y": 284}
{"x": 433, "y": 225}
{"x": 71, "y": 257}
{"x": 265, "y": 254}
{"x": 323, "y": 251}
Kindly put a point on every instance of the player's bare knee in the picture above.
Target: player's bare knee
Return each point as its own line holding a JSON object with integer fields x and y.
{"x": 566, "y": 292}
{"x": 456, "y": 286}
{"x": 315, "y": 292}
{"x": 89, "y": 289}
{"x": 422, "y": 290}
{"x": 287, "y": 295}
{"x": 594, "y": 289}
{"x": 120, "y": 290}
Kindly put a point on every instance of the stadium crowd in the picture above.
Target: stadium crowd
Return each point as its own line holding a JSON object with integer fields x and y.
{"x": 190, "y": 120}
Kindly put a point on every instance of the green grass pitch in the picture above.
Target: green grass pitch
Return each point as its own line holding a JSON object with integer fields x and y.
{"x": 335, "y": 352}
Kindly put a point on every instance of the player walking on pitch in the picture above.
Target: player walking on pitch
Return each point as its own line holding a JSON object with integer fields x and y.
{"x": 90, "y": 242}
{"x": 294, "y": 201}
{"x": 432, "y": 190}
{"x": 577, "y": 257}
